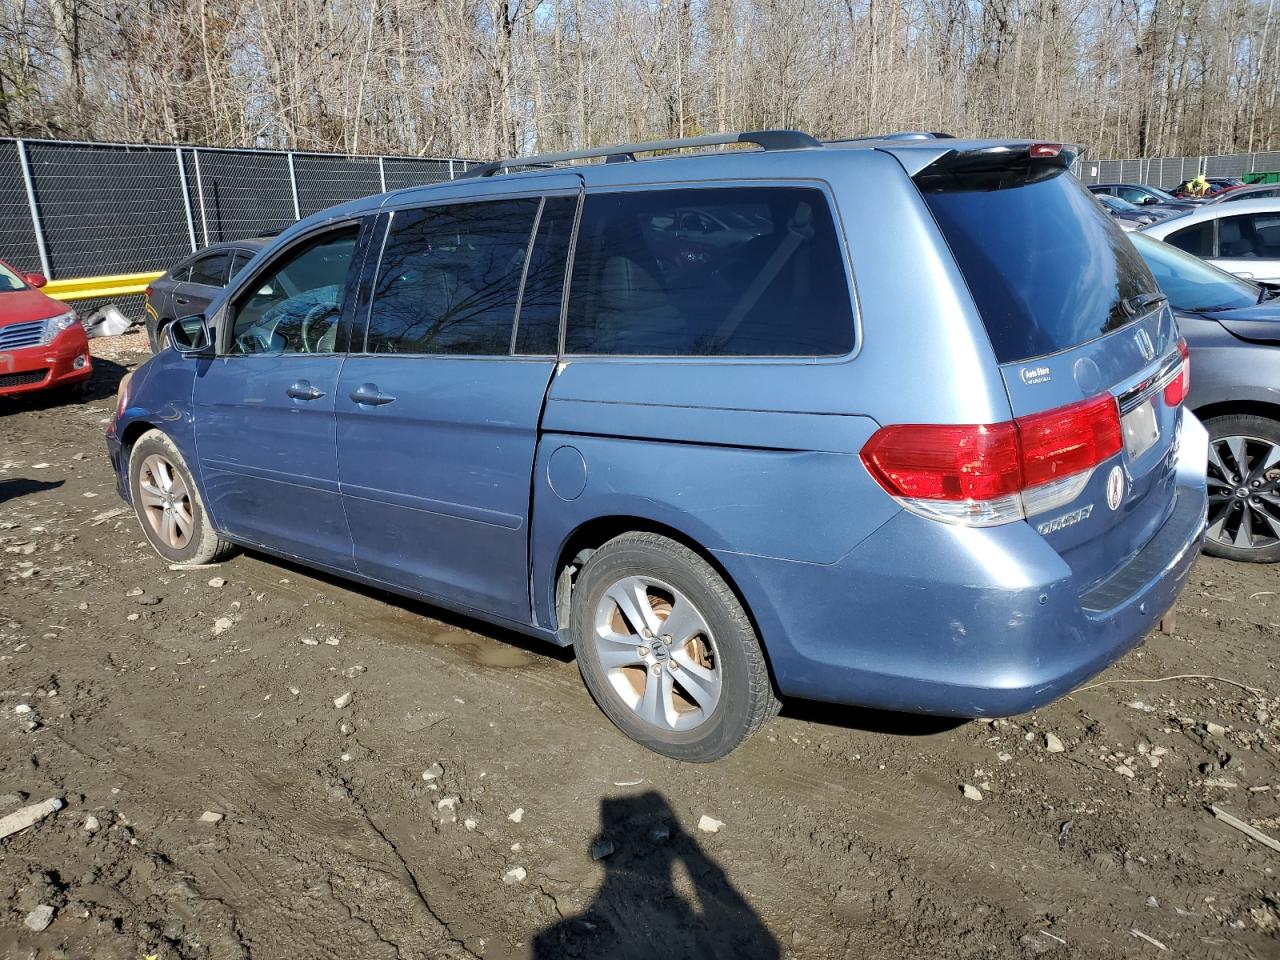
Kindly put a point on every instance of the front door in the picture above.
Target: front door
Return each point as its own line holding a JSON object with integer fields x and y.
{"x": 264, "y": 408}
{"x": 438, "y": 408}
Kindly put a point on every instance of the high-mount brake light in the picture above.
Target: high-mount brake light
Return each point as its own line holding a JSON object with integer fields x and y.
{"x": 1175, "y": 390}
{"x": 987, "y": 474}
{"x": 1043, "y": 151}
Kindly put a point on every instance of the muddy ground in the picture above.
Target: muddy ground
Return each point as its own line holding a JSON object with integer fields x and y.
{"x": 386, "y": 828}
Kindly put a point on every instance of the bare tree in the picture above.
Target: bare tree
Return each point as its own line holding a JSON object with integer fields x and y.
{"x": 488, "y": 77}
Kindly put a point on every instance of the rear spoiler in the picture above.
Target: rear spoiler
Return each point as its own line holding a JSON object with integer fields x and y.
{"x": 986, "y": 165}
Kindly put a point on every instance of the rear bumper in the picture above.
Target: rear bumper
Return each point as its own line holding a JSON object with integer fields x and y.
{"x": 39, "y": 368}
{"x": 926, "y": 617}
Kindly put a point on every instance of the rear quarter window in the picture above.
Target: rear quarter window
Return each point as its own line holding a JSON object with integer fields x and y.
{"x": 724, "y": 271}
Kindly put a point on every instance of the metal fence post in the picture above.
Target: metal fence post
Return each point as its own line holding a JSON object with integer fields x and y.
{"x": 204, "y": 217}
{"x": 382, "y": 175}
{"x": 36, "y": 225}
{"x": 293, "y": 187}
{"x": 186, "y": 200}
{"x": 451, "y": 170}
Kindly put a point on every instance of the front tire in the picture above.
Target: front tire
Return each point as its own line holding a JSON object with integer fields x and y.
{"x": 667, "y": 651}
{"x": 168, "y": 504}
{"x": 1244, "y": 488}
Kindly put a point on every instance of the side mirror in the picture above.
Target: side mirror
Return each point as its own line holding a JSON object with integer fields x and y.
{"x": 1150, "y": 199}
{"x": 35, "y": 279}
{"x": 190, "y": 336}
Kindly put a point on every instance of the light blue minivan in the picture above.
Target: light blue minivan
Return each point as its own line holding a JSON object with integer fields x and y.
{"x": 894, "y": 422}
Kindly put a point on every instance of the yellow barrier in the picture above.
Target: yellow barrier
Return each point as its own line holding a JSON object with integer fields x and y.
{"x": 84, "y": 288}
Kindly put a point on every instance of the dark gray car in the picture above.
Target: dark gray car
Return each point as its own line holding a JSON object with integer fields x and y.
{"x": 189, "y": 287}
{"x": 1129, "y": 216}
{"x": 1261, "y": 191}
{"x": 1142, "y": 195}
{"x": 1232, "y": 328}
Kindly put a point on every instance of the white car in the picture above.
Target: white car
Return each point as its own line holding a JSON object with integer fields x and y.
{"x": 1241, "y": 237}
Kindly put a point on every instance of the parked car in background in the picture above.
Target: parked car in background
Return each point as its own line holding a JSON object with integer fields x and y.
{"x": 1263, "y": 191}
{"x": 1141, "y": 195}
{"x": 42, "y": 343}
{"x": 724, "y": 480}
{"x": 1217, "y": 187}
{"x": 1232, "y": 328}
{"x": 190, "y": 286}
{"x": 1128, "y": 215}
{"x": 1242, "y": 238}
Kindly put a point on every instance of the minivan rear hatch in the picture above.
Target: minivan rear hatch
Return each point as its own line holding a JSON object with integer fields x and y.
{"x": 1074, "y": 317}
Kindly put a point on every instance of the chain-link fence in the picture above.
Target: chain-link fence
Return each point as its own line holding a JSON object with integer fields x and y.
{"x": 72, "y": 210}
{"x": 1168, "y": 172}
{"x": 89, "y": 209}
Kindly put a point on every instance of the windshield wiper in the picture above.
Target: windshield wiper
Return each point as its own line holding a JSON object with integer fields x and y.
{"x": 1139, "y": 303}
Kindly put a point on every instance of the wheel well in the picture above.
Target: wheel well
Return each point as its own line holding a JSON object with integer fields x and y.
{"x": 131, "y": 435}
{"x": 596, "y": 533}
{"x": 1236, "y": 407}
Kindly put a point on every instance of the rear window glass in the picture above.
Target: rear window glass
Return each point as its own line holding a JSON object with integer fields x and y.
{"x": 449, "y": 279}
{"x": 1048, "y": 269}
{"x": 538, "y": 319}
{"x": 734, "y": 271}
{"x": 211, "y": 271}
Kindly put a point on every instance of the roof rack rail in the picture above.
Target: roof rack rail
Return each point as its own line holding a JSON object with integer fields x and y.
{"x": 916, "y": 135}
{"x": 765, "y": 139}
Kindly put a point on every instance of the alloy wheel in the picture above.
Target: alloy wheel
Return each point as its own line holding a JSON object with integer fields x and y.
{"x": 657, "y": 653}
{"x": 166, "y": 501}
{"x": 1244, "y": 492}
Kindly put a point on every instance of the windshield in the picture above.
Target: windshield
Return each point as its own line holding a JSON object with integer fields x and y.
{"x": 1189, "y": 282}
{"x": 10, "y": 281}
{"x": 1162, "y": 194}
{"x": 1048, "y": 269}
{"x": 1115, "y": 203}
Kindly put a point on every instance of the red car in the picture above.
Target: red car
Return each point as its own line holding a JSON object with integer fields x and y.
{"x": 42, "y": 343}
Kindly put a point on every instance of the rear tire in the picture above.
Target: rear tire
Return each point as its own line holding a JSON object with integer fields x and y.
{"x": 156, "y": 334}
{"x": 169, "y": 506}
{"x": 693, "y": 694}
{"x": 1244, "y": 488}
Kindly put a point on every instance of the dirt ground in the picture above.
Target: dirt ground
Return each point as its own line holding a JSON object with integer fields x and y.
{"x": 146, "y": 697}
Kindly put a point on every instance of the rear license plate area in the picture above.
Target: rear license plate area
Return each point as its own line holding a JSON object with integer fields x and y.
{"x": 1141, "y": 429}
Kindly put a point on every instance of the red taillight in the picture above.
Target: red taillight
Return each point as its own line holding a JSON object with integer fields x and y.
{"x": 1176, "y": 389}
{"x": 147, "y": 292}
{"x": 984, "y": 462}
{"x": 1058, "y": 443}
{"x": 1044, "y": 150}
{"x": 926, "y": 461}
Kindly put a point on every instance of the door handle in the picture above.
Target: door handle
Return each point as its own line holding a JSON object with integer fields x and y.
{"x": 369, "y": 395}
{"x": 182, "y": 300}
{"x": 303, "y": 390}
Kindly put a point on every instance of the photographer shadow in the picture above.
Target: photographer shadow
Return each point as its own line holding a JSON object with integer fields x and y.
{"x": 639, "y": 910}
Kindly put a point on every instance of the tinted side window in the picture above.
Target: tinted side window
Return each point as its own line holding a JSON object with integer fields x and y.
{"x": 538, "y": 324}
{"x": 180, "y": 274}
{"x": 1250, "y": 236}
{"x": 241, "y": 258}
{"x": 768, "y": 280}
{"x": 449, "y": 278}
{"x": 295, "y": 306}
{"x": 1196, "y": 239}
{"x": 211, "y": 271}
